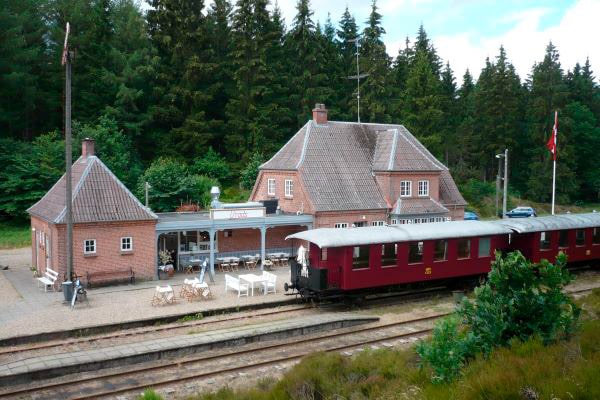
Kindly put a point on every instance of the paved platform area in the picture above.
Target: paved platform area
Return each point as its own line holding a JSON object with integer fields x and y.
{"x": 27, "y": 309}
{"x": 48, "y": 366}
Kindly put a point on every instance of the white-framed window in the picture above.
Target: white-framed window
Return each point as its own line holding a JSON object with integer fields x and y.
{"x": 341, "y": 225}
{"x": 127, "y": 243}
{"x": 377, "y": 223}
{"x": 289, "y": 188}
{"x": 271, "y": 187}
{"x": 393, "y": 221}
{"x": 423, "y": 188}
{"x": 89, "y": 246}
{"x": 405, "y": 188}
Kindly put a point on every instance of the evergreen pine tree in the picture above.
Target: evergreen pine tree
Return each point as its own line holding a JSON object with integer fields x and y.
{"x": 347, "y": 33}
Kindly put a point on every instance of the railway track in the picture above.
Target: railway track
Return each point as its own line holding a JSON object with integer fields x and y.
{"x": 134, "y": 378}
{"x": 94, "y": 385}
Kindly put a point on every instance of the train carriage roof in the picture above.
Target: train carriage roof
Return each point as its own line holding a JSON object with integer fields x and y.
{"x": 332, "y": 237}
{"x": 551, "y": 222}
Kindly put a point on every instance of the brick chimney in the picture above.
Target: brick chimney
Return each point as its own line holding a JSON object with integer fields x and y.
{"x": 320, "y": 114}
{"x": 87, "y": 147}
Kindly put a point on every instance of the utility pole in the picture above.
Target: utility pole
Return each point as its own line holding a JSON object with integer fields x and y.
{"x": 358, "y": 75}
{"x": 498, "y": 178}
{"x": 505, "y": 194}
{"x": 66, "y": 61}
{"x": 146, "y": 187}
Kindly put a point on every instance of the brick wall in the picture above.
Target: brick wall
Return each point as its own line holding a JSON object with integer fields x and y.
{"x": 298, "y": 202}
{"x": 108, "y": 248}
{"x": 457, "y": 213}
{"x": 389, "y": 184}
{"x": 329, "y": 219}
{"x": 249, "y": 239}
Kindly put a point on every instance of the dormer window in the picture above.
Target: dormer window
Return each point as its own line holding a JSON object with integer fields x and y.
{"x": 423, "y": 188}
{"x": 405, "y": 188}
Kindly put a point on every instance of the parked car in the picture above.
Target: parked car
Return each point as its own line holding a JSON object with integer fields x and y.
{"x": 521, "y": 212}
{"x": 471, "y": 216}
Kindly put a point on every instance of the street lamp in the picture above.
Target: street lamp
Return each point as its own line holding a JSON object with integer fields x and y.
{"x": 504, "y": 191}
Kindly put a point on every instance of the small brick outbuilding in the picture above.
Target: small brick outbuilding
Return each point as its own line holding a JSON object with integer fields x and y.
{"x": 112, "y": 230}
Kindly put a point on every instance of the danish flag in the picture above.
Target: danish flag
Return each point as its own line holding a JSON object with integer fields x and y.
{"x": 551, "y": 145}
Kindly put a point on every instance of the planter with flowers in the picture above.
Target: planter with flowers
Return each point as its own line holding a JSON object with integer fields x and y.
{"x": 166, "y": 263}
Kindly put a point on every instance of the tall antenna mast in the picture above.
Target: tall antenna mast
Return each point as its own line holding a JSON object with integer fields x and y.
{"x": 358, "y": 75}
{"x": 66, "y": 61}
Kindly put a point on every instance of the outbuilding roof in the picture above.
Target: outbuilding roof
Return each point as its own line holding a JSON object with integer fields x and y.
{"x": 98, "y": 196}
{"x": 332, "y": 237}
{"x": 552, "y": 222}
{"x": 337, "y": 162}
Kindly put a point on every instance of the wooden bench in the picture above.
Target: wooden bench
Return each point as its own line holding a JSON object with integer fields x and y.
{"x": 49, "y": 279}
{"x": 110, "y": 276}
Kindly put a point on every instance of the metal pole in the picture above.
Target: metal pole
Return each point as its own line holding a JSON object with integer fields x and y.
{"x": 68, "y": 161}
{"x": 498, "y": 178}
{"x": 357, "y": 82}
{"x": 553, "y": 185}
{"x": 146, "y": 190}
{"x": 505, "y": 194}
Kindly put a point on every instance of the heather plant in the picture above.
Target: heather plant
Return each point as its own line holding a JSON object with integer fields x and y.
{"x": 519, "y": 301}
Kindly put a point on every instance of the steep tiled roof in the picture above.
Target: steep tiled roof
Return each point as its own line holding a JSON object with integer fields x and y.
{"x": 449, "y": 193}
{"x": 98, "y": 196}
{"x": 412, "y": 206}
{"x": 337, "y": 162}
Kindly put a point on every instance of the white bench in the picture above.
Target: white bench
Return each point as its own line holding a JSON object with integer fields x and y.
{"x": 270, "y": 282}
{"x": 235, "y": 284}
{"x": 49, "y": 279}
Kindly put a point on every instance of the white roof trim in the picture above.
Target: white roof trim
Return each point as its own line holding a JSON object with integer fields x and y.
{"x": 282, "y": 147}
{"x": 304, "y": 145}
{"x": 393, "y": 150}
{"x": 135, "y": 199}
{"x": 332, "y": 237}
{"x": 86, "y": 171}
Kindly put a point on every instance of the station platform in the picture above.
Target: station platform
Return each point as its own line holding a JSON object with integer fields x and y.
{"x": 28, "y": 310}
{"x": 49, "y": 366}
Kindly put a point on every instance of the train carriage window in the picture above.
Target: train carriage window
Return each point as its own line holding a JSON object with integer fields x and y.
{"x": 415, "y": 252}
{"x": 441, "y": 250}
{"x": 464, "y": 249}
{"x": 388, "y": 254}
{"x": 563, "y": 239}
{"x": 544, "y": 240}
{"x": 324, "y": 254}
{"x": 596, "y": 237}
{"x": 579, "y": 237}
{"x": 484, "y": 247}
{"x": 360, "y": 257}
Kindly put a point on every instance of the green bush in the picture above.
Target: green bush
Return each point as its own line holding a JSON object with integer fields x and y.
{"x": 520, "y": 300}
{"x": 149, "y": 394}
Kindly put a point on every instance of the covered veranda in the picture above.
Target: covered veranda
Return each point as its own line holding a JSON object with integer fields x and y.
{"x": 192, "y": 237}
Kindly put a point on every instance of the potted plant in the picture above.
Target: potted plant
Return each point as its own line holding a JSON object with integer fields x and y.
{"x": 165, "y": 262}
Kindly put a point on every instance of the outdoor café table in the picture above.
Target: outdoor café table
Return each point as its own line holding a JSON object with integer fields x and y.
{"x": 252, "y": 279}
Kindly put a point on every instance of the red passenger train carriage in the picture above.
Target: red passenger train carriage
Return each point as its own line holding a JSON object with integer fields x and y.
{"x": 344, "y": 261}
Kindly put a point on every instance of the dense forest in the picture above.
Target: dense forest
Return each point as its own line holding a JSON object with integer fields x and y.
{"x": 188, "y": 93}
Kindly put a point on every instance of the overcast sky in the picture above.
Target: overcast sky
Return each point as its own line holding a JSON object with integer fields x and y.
{"x": 465, "y": 32}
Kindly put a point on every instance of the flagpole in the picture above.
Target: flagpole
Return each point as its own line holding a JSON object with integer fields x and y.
{"x": 553, "y": 185}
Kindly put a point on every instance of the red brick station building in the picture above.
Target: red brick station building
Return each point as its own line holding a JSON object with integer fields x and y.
{"x": 329, "y": 174}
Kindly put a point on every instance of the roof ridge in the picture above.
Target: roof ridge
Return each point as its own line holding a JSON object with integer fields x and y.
{"x": 427, "y": 157}
{"x": 86, "y": 172}
{"x": 127, "y": 191}
{"x": 64, "y": 175}
{"x": 305, "y": 144}
{"x": 282, "y": 147}
{"x": 393, "y": 150}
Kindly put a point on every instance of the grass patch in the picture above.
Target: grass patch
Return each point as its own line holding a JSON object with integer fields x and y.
{"x": 14, "y": 234}
{"x": 529, "y": 370}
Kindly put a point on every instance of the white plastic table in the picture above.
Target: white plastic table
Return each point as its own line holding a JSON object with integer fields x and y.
{"x": 252, "y": 279}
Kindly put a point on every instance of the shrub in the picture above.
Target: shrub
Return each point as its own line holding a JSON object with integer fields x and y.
{"x": 520, "y": 300}
{"x": 149, "y": 394}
